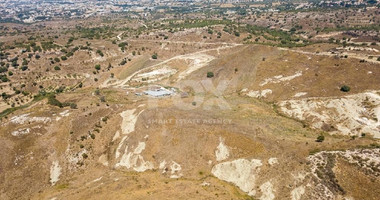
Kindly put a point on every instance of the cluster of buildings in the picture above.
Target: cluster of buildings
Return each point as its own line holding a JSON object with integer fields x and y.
{"x": 30, "y": 11}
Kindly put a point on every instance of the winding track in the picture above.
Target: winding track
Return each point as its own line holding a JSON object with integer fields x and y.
{"x": 122, "y": 83}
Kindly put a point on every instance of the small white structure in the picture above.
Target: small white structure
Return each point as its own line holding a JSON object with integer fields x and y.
{"x": 159, "y": 92}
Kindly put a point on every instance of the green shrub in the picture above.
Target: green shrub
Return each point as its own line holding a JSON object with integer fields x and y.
{"x": 24, "y": 68}
{"x": 210, "y": 74}
{"x": 100, "y": 53}
{"x": 4, "y": 78}
{"x": 320, "y": 138}
{"x": 123, "y": 62}
{"x": 3, "y": 69}
{"x": 57, "y": 68}
{"x": 71, "y": 39}
{"x": 122, "y": 45}
{"x": 154, "y": 56}
{"x": 345, "y": 88}
{"x": 53, "y": 101}
{"x": 69, "y": 54}
{"x": 4, "y": 95}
